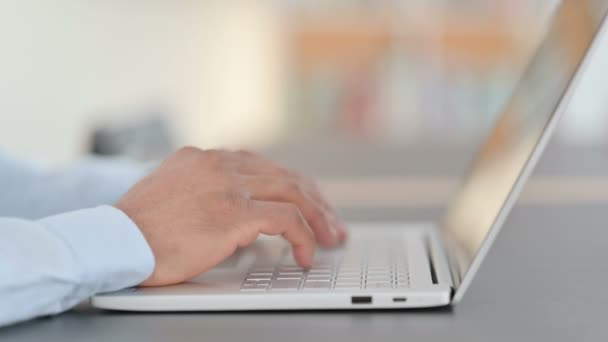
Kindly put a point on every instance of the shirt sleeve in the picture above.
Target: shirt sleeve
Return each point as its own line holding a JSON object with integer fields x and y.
{"x": 50, "y": 265}
{"x": 34, "y": 190}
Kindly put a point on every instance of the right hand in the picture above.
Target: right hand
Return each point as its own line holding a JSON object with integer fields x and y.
{"x": 199, "y": 206}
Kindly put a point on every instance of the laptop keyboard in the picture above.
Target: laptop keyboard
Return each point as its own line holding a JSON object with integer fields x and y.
{"x": 369, "y": 265}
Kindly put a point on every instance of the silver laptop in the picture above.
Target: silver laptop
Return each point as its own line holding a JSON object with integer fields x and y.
{"x": 403, "y": 265}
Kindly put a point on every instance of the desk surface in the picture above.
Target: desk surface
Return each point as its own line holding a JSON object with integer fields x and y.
{"x": 545, "y": 280}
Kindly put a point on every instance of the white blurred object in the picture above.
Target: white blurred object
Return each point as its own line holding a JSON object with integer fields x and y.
{"x": 65, "y": 61}
{"x": 586, "y": 122}
{"x": 243, "y": 66}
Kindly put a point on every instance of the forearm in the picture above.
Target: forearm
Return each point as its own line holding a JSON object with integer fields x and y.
{"x": 50, "y": 265}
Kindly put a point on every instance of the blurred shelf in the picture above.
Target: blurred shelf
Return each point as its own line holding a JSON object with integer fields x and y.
{"x": 435, "y": 192}
{"x": 392, "y": 70}
{"x": 354, "y": 39}
{"x": 361, "y": 176}
{"x": 331, "y": 159}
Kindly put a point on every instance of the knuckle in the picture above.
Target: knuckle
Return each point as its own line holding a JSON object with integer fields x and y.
{"x": 291, "y": 186}
{"x": 283, "y": 171}
{"x": 296, "y": 175}
{"x": 214, "y": 155}
{"x": 246, "y": 153}
{"x": 214, "y": 152}
{"x": 189, "y": 150}
{"x": 234, "y": 202}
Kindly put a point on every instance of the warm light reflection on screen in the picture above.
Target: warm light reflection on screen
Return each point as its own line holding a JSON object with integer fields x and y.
{"x": 516, "y": 134}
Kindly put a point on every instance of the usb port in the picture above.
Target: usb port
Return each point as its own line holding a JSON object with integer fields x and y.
{"x": 399, "y": 299}
{"x": 361, "y": 299}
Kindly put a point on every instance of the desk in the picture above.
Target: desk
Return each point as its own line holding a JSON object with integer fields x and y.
{"x": 544, "y": 280}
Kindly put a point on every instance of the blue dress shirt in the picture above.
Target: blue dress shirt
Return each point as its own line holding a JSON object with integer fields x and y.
{"x": 60, "y": 240}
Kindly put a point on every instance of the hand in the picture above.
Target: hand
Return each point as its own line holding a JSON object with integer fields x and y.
{"x": 199, "y": 206}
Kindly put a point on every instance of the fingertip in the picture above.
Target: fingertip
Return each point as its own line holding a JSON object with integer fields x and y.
{"x": 342, "y": 235}
{"x": 304, "y": 257}
{"x": 342, "y": 230}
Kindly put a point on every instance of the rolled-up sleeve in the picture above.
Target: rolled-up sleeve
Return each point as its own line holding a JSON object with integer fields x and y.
{"x": 49, "y": 265}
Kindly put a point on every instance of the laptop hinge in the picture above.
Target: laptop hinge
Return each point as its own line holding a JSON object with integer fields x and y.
{"x": 454, "y": 260}
{"x": 438, "y": 260}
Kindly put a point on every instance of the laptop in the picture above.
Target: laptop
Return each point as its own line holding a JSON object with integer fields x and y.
{"x": 406, "y": 265}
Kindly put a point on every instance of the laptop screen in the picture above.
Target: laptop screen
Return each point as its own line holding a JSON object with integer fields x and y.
{"x": 500, "y": 162}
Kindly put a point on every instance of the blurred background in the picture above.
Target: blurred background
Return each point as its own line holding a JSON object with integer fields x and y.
{"x": 332, "y": 87}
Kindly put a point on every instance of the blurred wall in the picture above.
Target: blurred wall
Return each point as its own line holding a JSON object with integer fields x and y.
{"x": 219, "y": 69}
{"x": 67, "y": 64}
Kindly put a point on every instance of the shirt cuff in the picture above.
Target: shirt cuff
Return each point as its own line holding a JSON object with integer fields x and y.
{"x": 110, "y": 250}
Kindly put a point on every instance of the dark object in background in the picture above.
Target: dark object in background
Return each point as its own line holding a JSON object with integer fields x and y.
{"x": 144, "y": 140}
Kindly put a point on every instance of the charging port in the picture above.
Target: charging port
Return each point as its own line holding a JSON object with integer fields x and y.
{"x": 399, "y": 299}
{"x": 361, "y": 299}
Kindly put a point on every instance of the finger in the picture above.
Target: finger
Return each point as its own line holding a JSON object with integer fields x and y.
{"x": 315, "y": 193}
{"x": 266, "y": 188}
{"x": 251, "y": 163}
{"x": 311, "y": 190}
{"x": 273, "y": 218}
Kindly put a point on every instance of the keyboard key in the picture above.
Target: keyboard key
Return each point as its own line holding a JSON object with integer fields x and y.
{"x": 261, "y": 274}
{"x": 289, "y": 278}
{"x": 320, "y": 271}
{"x": 287, "y": 274}
{"x": 318, "y": 280}
{"x": 356, "y": 270}
{"x": 290, "y": 269}
{"x": 378, "y": 285}
{"x": 253, "y": 289}
{"x": 347, "y": 285}
{"x": 285, "y": 284}
{"x": 317, "y": 285}
{"x": 258, "y": 278}
{"x": 255, "y": 282}
{"x": 319, "y": 276}
{"x": 255, "y": 286}
{"x": 348, "y": 279}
